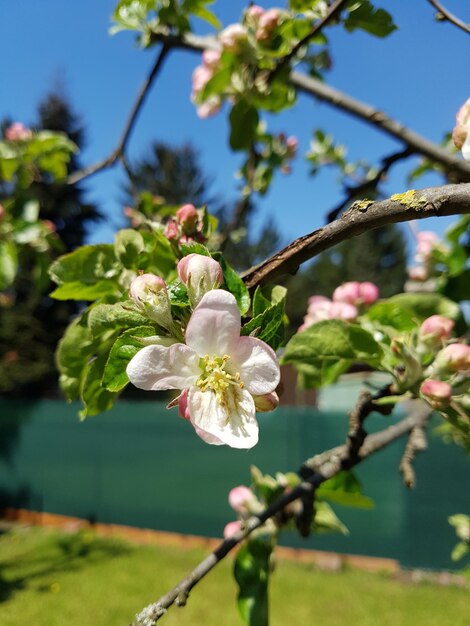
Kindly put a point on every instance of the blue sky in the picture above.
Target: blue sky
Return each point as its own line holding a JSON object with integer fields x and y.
{"x": 419, "y": 75}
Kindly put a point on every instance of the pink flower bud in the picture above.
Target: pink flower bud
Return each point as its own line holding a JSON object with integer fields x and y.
{"x": 2, "y": 212}
{"x": 254, "y": 12}
{"x": 233, "y": 37}
{"x": 461, "y": 132}
{"x": 427, "y": 240}
{"x": 343, "y": 311}
{"x": 436, "y": 328}
{"x": 267, "y": 24}
{"x": 172, "y": 230}
{"x": 200, "y": 274}
{"x": 17, "y": 132}
{"x": 187, "y": 217}
{"x": 418, "y": 273}
{"x": 231, "y": 529}
{"x": 455, "y": 357}
{"x": 354, "y": 292}
{"x": 313, "y": 301}
{"x": 436, "y": 392}
{"x": 49, "y": 225}
{"x": 211, "y": 59}
{"x": 128, "y": 211}
{"x": 239, "y": 498}
{"x": 209, "y": 107}
{"x": 144, "y": 287}
{"x": 321, "y": 308}
{"x": 267, "y": 402}
{"x": 201, "y": 76}
{"x": 292, "y": 145}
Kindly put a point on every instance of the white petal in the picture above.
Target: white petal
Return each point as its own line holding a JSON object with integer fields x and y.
{"x": 207, "y": 437}
{"x": 214, "y": 327}
{"x": 257, "y": 365}
{"x": 233, "y": 424}
{"x": 156, "y": 367}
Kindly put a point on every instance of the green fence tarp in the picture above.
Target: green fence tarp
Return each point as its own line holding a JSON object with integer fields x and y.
{"x": 142, "y": 465}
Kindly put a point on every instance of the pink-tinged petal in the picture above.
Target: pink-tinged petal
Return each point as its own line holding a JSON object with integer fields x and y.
{"x": 214, "y": 327}
{"x": 233, "y": 423}
{"x": 207, "y": 437}
{"x": 156, "y": 367}
{"x": 257, "y": 365}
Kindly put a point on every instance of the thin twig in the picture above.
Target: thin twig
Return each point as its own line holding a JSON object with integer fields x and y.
{"x": 361, "y": 217}
{"x": 110, "y": 160}
{"x": 450, "y": 17}
{"x": 368, "y": 186}
{"x": 336, "y": 98}
{"x": 331, "y": 466}
{"x": 417, "y": 442}
{"x": 333, "y": 10}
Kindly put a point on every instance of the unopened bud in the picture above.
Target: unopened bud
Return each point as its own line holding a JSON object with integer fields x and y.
{"x": 292, "y": 144}
{"x": 2, "y": 212}
{"x": 172, "y": 230}
{"x": 267, "y": 24}
{"x": 231, "y": 529}
{"x": 209, "y": 107}
{"x": 240, "y": 497}
{"x": 17, "y": 132}
{"x": 436, "y": 392}
{"x": 454, "y": 357}
{"x": 233, "y": 37}
{"x": 267, "y": 402}
{"x": 436, "y": 328}
{"x": 211, "y": 58}
{"x": 150, "y": 294}
{"x": 461, "y": 131}
{"x": 354, "y": 292}
{"x": 200, "y": 274}
{"x": 418, "y": 273}
{"x": 187, "y": 217}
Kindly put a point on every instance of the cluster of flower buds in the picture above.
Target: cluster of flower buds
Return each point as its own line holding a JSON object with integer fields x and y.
{"x": 447, "y": 381}
{"x": 347, "y": 301}
{"x": 18, "y": 132}
{"x": 263, "y": 22}
{"x": 186, "y": 226}
{"x": 427, "y": 242}
{"x": 201, "y": 76}
{"x": 461, "y": 131}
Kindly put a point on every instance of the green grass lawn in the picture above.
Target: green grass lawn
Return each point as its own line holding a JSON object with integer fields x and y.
{"x": 50, "y": 578}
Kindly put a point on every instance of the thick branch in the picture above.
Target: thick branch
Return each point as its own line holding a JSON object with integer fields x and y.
{"x": 118, "y": 152}
{"x": 332, "y": 465}
{"x": 451, "y": 162}
{"x": 450, "y": 17}
{"x": 361, "y": 217}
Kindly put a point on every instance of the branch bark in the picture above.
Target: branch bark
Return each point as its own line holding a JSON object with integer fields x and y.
{"x": 450, "y": 17}
{"x": 332, "y": 464}
{"x": 118, "y": 152}
{"x": 361, "y": 216}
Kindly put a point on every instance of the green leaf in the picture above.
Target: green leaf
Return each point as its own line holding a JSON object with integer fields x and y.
{"x": 345, "y": 489}
{"x": 87, "y": 265}
{"x": 326, "y": 520}
{"x": 244, "y": 121}
{"x": 251, "y": 571}
{"x": 268, "y": 326}
{"x": 423, "y": 305}
{"x": 458, "y": 287}
{"x": 363, "y": 15}
{"x": 95, "y": 397}
{"x": 124, "y": 348}
{"x": 234, "y": 284}
{"x": 391, "y": 314}
{"x": 332, "y": 340}
{"x": 128, "y": 245}
{"x": 73, "y": 351}
{"x": 8, "y": 263}
{"x": 321, "y": 373}
{"x": 194, "y": 248}
{"x": 105, "y": 317}
{"x": 158, "y": 256}
{"x": 264, "y": 297}
{"x": 79, "y": 291}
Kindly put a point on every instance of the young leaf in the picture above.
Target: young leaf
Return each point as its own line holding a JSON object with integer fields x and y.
{"x": 345, "y": 489}
{"x": 234, "y": 284}
{"x": 114, "y": 316}
{"x": 128, "y": 245}
{"x": 244, "y": 121}
{"x": 251, "y": 571}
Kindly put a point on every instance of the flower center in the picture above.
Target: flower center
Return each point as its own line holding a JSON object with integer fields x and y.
{"x": 215, "y": 377}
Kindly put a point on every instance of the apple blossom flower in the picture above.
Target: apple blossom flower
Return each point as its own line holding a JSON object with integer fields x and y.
{"x": 436, "y": 328}
{"x": 436, "y": 392}
{"x": 461, "y": 132}
{"x": 220, "y": 370}
{"x": 355, "y": 293}
{"x": 231, "y": 529}
{"x": 17, "y": 132}
{"x": 233, "y": 37}
{"x": 240, "y": 497}
{"x": 150, "y": 295}
{"x": 200, "y": 274}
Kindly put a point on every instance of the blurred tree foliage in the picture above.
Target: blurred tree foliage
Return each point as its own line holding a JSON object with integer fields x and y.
{"x": 30, "y": 322}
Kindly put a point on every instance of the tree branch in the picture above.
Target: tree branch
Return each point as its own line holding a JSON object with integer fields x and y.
{"x": 118, "y": 152}
{"x": 332, "y": 464}
{"x": 362, "y": 216}
{"x": 360, "y": 190}
{"x": 365, "y": 112}
{"x": 450, "y": 17}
